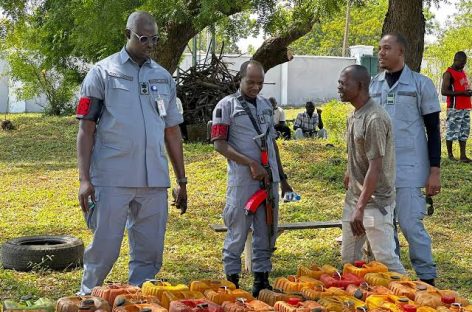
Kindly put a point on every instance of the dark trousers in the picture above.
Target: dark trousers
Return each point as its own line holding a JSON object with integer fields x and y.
{"x": 284, "y": 131}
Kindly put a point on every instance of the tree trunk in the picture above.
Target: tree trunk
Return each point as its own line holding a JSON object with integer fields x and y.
{"x": 406, "y": 17}
{"x": 274, "y": 51}
{"x": 168, "y": 54}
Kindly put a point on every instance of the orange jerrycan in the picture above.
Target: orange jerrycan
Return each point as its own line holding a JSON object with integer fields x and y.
{"x": 82, "y": 303}
{"x": 362, "y": 291}
{"x": 391, "y": 303}
{"x": 318, "y": 292}
{"x": 136, "y": 298}
{"x": 295, "y": 284}
{"x": 242, "y": 305}
{"x": 203, "y": 285}
{"x": 384, "y": 278}
{"x": 224, "y": 294}
{"x": 341, "y": 303}
{"x": 425, "y": 309}
{"x": 408, "y": 288}
{"x": 109, "y": 291}
{"x": 360, "y": 268}
{"x": 315, "y": 271}
{"x": 296, "y": 305}
{"x": 140, "y": 307}
{"x": 169, "y": 296}
{"x": 157, "y": 287}
{"x": 467, "y": 308}
{"x": 272, "y": 296}
{"x": 194, "y": 305}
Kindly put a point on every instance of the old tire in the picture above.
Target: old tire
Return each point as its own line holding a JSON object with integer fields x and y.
{"x": 56, "y": 252}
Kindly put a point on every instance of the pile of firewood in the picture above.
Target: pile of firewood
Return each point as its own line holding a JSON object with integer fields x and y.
{"x": 202, "y": 86}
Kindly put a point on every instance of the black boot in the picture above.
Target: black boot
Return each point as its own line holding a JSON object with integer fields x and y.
{"x": 233, "y": 278}
{"x": 261, "y": 281}
{"x": 429, "y": 281}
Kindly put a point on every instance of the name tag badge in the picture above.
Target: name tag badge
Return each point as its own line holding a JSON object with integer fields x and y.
{"x": 391, "y": 99}
{"x": 261, "y": 119}
{"x": 144, "y": 88}
{"x": 161, "y": 107}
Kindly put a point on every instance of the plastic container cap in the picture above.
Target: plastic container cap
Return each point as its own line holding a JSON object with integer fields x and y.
{"x": 293, "y": 301}
{"x": 409, "y": 308}
{"x": 359, "y": 263}
{"x": 448, "y": 299}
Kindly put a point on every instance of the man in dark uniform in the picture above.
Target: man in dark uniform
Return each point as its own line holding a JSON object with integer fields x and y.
{"x": 241, "y": 122}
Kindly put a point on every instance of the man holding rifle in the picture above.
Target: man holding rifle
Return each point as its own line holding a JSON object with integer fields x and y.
{"x": 243, "y": 132}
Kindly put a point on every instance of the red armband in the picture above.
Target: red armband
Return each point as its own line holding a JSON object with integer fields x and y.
{"x": 89, "y": 108}
{"x": 83, "y": 107}
{"x": 219, "y": 132}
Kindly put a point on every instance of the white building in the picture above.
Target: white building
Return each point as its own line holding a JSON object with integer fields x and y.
{"x": 305, "y": 78}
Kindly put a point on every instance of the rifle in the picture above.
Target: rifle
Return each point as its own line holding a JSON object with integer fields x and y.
{"x": 265, "y": 192}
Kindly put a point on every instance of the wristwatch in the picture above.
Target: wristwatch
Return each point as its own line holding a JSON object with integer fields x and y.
{"x": 283, "y": 177}
{"x": 181, "y": 180}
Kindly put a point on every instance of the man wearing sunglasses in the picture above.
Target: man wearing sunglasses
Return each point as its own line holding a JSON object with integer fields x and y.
{"x": 128, "y": 119}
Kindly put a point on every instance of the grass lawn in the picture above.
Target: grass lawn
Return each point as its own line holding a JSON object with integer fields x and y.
{"x": 38, "y": 191}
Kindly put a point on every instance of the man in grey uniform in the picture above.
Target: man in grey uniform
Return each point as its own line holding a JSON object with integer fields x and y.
{"x": 412, "y": 103}
{"x": 234, "y": 136}
{"x": 128, "y": 118}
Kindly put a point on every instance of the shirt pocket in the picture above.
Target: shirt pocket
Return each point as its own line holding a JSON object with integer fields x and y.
{"x": 406, "y": 108}
{"x": 119, "y": 91}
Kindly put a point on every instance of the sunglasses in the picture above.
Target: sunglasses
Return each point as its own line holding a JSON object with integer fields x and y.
{"x": 145, "y": 39}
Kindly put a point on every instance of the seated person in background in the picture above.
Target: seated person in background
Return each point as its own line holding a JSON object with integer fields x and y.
{"x": 308, "y": 124}
{"x": 279, "y": 120}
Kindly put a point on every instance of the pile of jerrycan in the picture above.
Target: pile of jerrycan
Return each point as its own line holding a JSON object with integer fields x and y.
{"x": 360, "y": 287}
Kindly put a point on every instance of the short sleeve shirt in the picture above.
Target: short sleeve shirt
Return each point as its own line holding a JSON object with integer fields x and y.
{"x": 305, "y": 122}
{"x": 241, "y": 134}
{"x": 370, "y": 137}
{"x": 279, "y": 115}
{"x": 406, "y": 102}
{"x": 129, "y": 148}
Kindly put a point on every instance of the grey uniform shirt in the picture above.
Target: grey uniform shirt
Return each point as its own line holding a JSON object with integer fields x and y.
{"x": 411, "y": 97}
{"x": 129, "y": 148}
{"x": 241, "y": 133}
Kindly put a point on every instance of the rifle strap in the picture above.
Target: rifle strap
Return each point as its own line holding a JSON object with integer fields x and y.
{"x": 246, "y": 108}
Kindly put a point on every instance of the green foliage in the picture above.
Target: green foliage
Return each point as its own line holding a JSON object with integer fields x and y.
{"x": 334, "y": 118}
{"x": 327, "y": 38}
{"x": 30, "y": 65}
{"x": 456, "y": 37}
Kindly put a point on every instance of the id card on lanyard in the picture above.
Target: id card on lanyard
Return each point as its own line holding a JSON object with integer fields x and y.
{"x": 158, "y": 101}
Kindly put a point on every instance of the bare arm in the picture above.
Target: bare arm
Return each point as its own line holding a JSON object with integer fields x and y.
{"x": 368, "y": 188}
{"x": 257, "y": 171}
{"x": 85, "y": 140}
{"x": 283, "y": 182}
{"x": 446, "y": 91}
{"x": 173, "y": 139}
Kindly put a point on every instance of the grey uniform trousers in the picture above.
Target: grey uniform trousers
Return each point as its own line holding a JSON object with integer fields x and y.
{"x": 410, "y": 211}
{"x": 239, "y": 224}
{"x": 143, "y": 211}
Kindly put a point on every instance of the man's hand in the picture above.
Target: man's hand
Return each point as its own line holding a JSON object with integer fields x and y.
{"x": 346, "y": 180}
{"x": 285, "y": 187}
{"x": 179, "y": 193}
{"x": 257, "y": 171}
{"x": 86, "y": 190}
{"x": 357, "y": 222}
{"x": 433, "y": 186}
